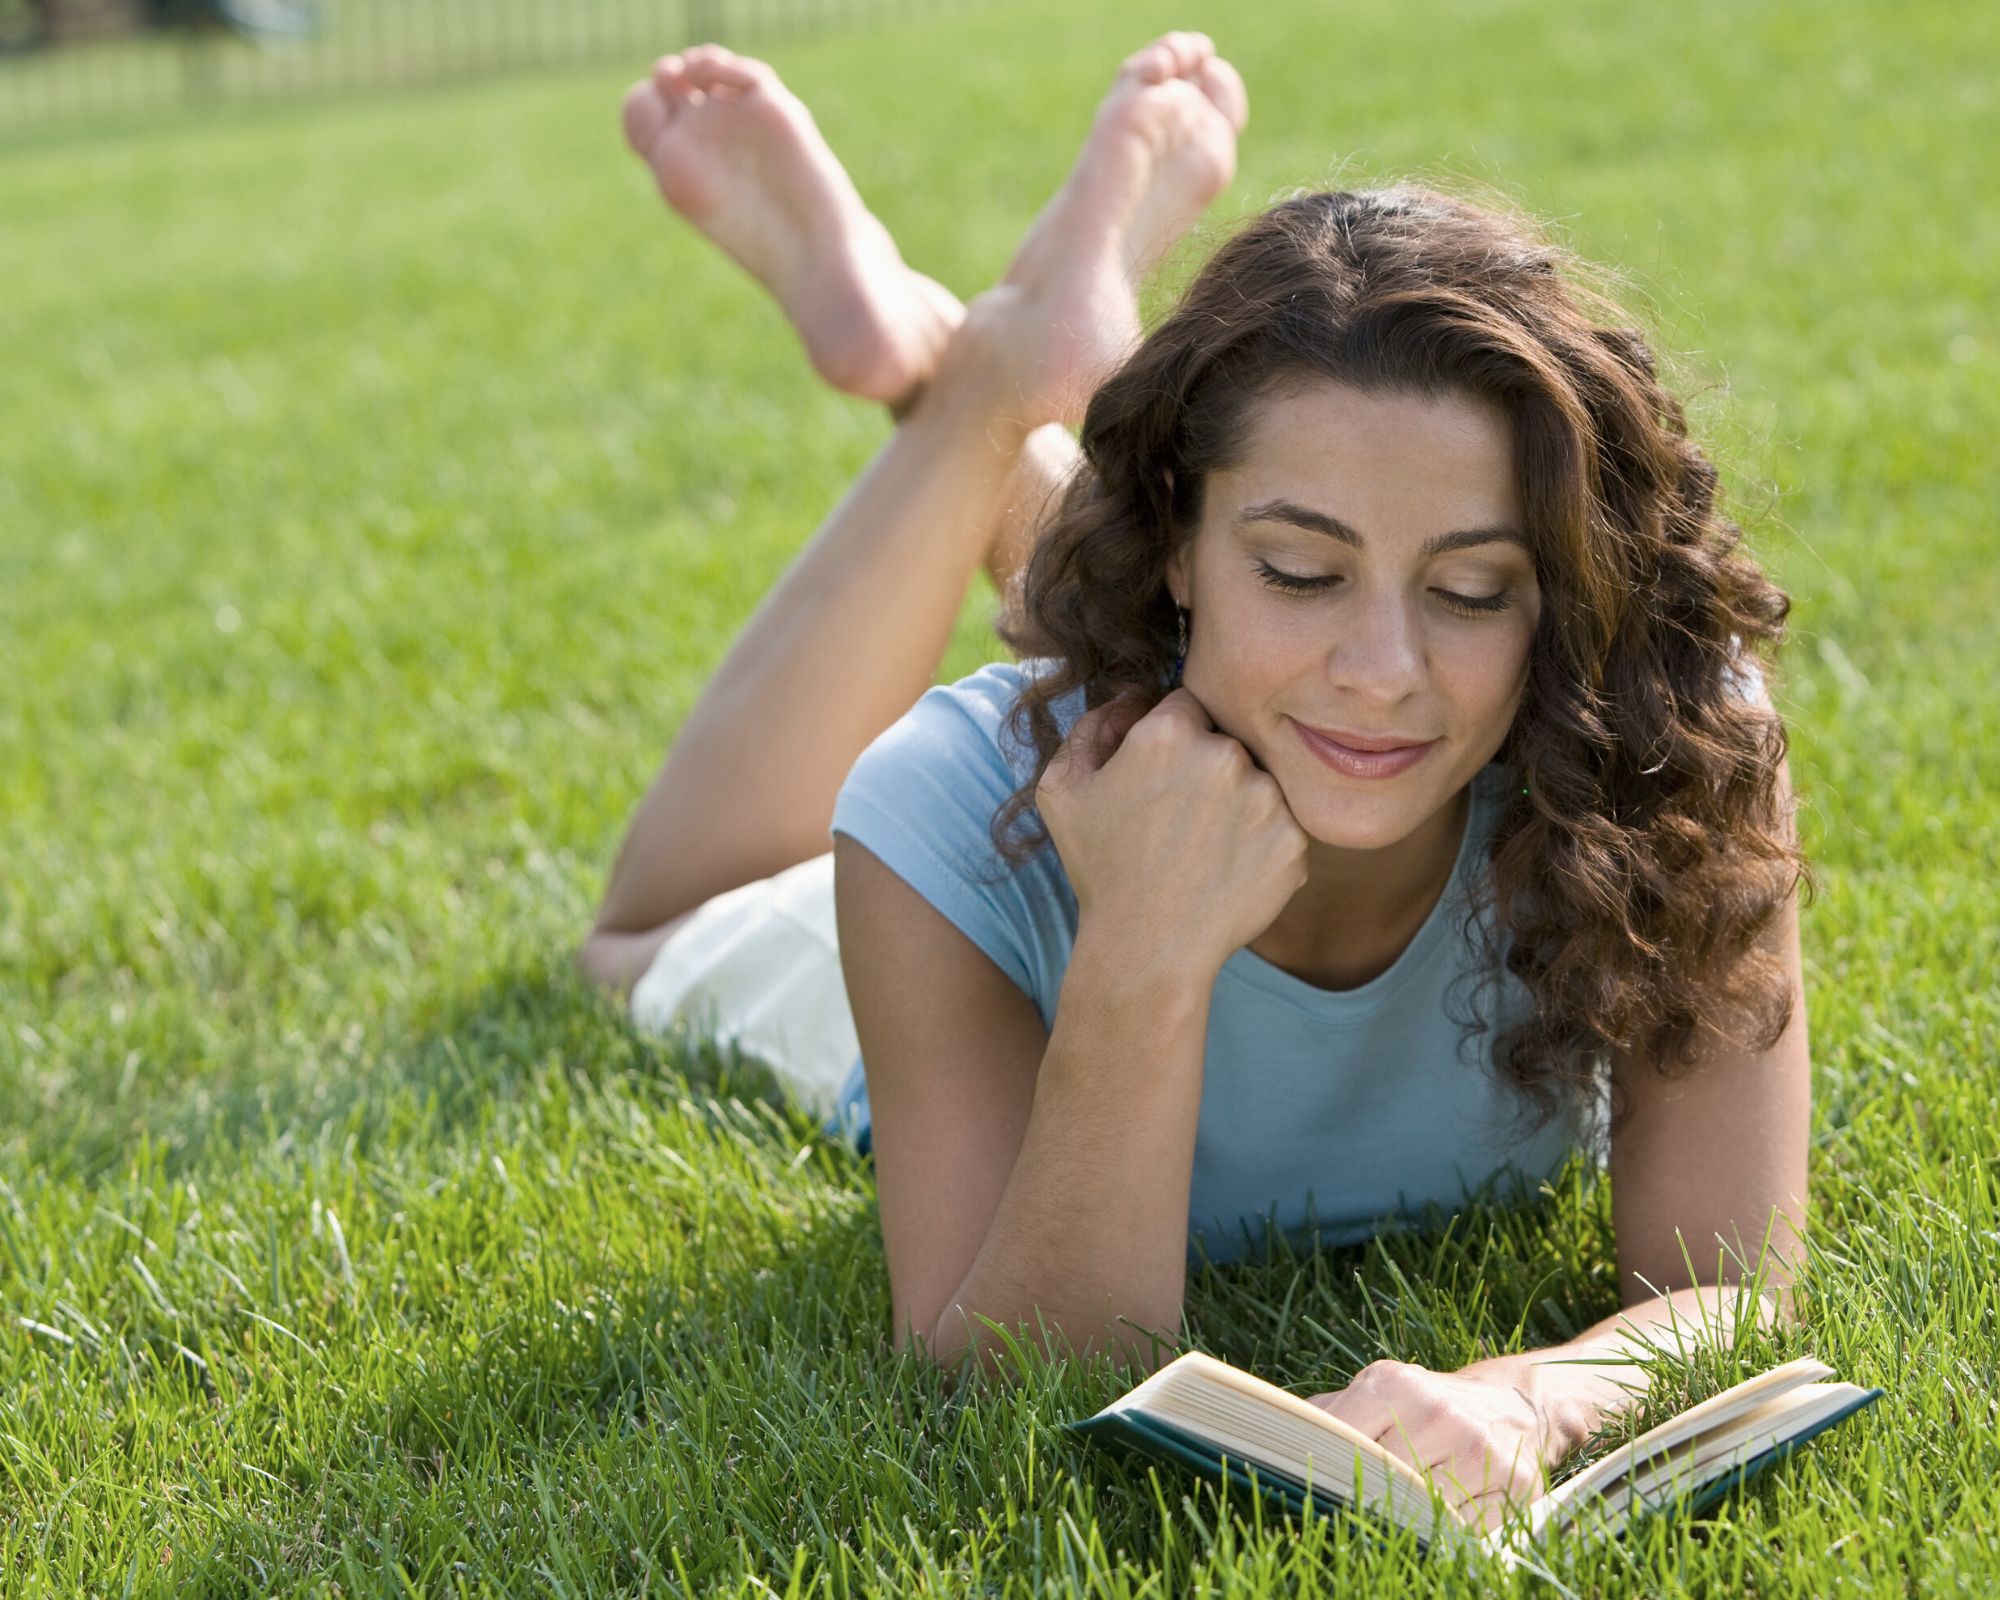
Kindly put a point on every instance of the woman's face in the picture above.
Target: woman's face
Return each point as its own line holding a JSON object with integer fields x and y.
{"x": 1402, "y": 515}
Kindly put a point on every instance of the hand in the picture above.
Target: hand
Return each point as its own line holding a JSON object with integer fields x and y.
{"x": 1480, "y": 1433}
{"x": 1173, "y": 838}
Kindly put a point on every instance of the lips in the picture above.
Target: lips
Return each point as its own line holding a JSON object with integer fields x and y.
{"x": 1364, "y": 741}
{"x": 1371, "y": 756}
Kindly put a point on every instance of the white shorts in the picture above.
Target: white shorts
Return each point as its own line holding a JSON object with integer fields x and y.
{"x": 759, "y": 967}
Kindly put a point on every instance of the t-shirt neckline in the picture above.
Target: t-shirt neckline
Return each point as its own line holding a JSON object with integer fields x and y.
{"x": 1246, "y": 966}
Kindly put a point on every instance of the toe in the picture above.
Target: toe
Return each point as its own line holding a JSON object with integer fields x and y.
{"x": 670, "y": 75}
{"x": 1223, "y": 84}
{"x": 1187, "y": 52}
{"x": 1153, "y": 63}
{"x": 711, "y": 66}
{"x": 645, "y": 114}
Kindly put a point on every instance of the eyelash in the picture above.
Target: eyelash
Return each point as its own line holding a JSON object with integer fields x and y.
{"x": 1464, "y": 604}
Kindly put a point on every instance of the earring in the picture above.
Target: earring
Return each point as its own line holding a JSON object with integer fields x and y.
{"x": 1180, "y": 648}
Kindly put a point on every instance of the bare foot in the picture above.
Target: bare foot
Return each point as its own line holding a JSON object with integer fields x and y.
{"x": 738, "y": 154}
{"x": 1162, "y": 146}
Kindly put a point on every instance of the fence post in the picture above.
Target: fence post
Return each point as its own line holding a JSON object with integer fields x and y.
{"x": 200, "y": 67}
{"x": 707, "y": 23}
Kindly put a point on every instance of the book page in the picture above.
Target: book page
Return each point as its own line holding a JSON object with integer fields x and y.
{"x": 1783, "y": 1393}
{"x": 1261, "y": 1423}
{"x": 1717, "y": 1410}
{"x": 1716, "y": 1452}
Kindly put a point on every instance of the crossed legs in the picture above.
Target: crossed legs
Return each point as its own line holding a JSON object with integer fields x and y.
{"x": 853, "y": 631}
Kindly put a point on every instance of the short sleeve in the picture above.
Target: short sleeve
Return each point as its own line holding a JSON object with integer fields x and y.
{"x": 922, "y": 798}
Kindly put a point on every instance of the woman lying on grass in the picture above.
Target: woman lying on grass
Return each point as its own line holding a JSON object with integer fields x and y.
{"x": 1386, "y": 799}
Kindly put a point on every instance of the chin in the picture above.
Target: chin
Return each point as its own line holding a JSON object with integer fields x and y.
{"x": 1357, "y": 823}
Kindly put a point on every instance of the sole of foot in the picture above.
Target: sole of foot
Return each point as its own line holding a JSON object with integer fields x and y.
{"x": 1161, "y": 147}
{"x": 739, "y": 156}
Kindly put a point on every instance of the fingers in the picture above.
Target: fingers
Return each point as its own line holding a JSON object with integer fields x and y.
{"x": 1367, "y": 1413}
{"x": 1482, "y": 1463}
{"x": 1098, "y": 735}
{"x": 1099, "y": 732}
{"x": 1095, "y": 737}
{"x": 1492, "y": 1504}
{"x": 1180, "y": 704}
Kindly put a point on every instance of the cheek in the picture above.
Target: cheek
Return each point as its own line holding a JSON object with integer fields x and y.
{"x": 1268, "y": 644}
{"x": 1490, "y": 670}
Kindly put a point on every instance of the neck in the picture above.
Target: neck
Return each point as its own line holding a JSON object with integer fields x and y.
{"x": 1359, "y": 909}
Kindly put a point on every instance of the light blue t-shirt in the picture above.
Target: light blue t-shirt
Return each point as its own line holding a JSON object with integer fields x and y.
{"x": 1353, "y": 1108}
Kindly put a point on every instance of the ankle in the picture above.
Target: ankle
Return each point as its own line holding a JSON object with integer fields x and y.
{"x": 950, "y": 315}
{"x": 905, "y": 403}
{"x": 977, "y": 374}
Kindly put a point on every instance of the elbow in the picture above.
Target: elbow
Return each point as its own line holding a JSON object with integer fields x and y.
{"x": 594, "y": 959}
{"x": 615, "y": 960}
{"x": 961, "y": 1340}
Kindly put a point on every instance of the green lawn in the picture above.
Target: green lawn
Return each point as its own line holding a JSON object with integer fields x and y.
{"x": 378, "y": 482}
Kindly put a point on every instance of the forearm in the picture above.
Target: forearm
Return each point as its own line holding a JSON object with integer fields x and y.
{"x": 904, "y": 542}
{"x": 1584, "y": 1382}
{"x": 1091, "y": 1232}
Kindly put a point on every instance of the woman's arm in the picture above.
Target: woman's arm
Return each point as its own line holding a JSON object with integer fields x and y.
{"x": 1708, "y": 1194}
{"x": 1091, "y": 1230}
{"x": 1708, "y": 1191}
{"x": 1023, "y": 1175}
{"x": 1180, "y": 850}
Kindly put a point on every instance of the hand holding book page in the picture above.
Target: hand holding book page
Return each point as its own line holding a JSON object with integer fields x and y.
{"x": 1229, "y": 1426}
{"x": 1482, "y": 1438}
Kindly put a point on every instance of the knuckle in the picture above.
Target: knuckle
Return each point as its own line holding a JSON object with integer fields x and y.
{"x": 1226, "y": 755}
{"x": 1462, "y": 1420}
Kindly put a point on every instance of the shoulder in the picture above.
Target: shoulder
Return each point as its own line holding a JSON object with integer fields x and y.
{"x": 963, "y": 731}
{"x": 922, "y": 799}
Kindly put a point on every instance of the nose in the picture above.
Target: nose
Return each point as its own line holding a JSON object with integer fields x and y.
{"x": 1377, "y": 657}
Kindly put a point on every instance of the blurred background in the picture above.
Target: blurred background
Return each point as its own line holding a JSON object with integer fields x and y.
{"x": 68, "y": 60}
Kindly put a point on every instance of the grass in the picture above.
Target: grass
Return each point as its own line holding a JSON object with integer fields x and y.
{"x": 380, "y": 480}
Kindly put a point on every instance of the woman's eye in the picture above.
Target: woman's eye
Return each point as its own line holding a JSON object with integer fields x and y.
{"x": 1478, "y": 605}
{"x": 1291, "y": 582}
{"x": 1472, "y": 605}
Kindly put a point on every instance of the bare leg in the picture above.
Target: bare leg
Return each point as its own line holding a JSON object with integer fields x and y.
{"x": 854, "y": 630}
{"x": 739, "y": 156}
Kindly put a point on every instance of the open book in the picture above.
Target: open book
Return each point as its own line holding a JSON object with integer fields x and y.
{"x": 1228, "y": 1425}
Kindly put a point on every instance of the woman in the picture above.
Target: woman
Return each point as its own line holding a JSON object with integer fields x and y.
{"x": 1389, "y": 783}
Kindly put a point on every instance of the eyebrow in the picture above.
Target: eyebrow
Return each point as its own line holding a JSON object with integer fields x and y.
{"x": 1319, "y": 522}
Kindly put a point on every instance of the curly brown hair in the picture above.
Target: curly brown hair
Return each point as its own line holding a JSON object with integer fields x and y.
{"x": 1647, "y": 846}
